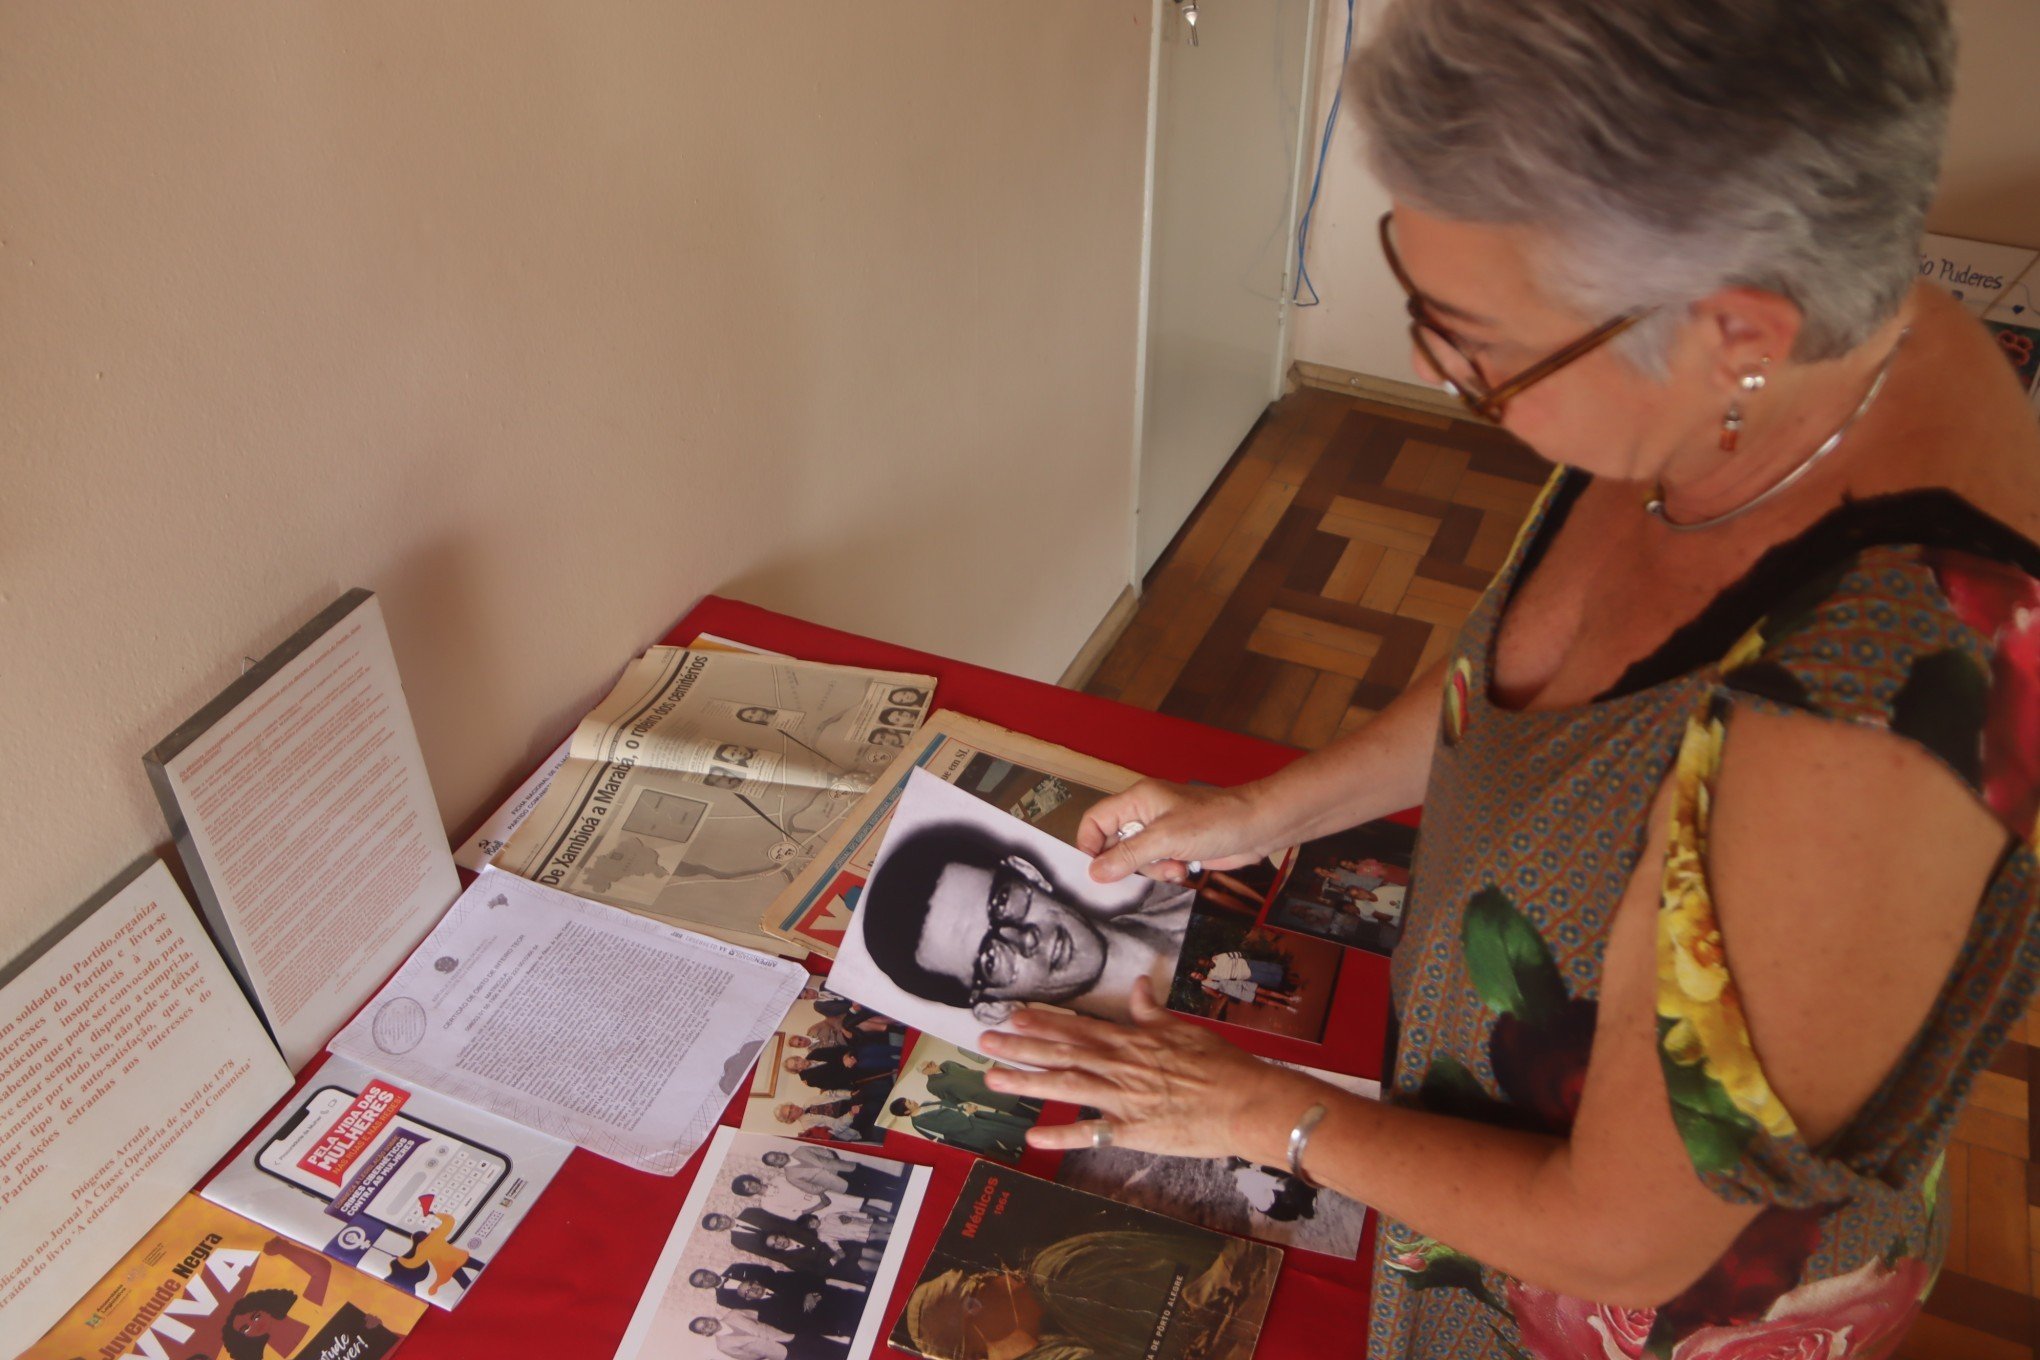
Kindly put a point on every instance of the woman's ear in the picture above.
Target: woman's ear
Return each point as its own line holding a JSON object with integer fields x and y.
{"x": 1744, "y": 331}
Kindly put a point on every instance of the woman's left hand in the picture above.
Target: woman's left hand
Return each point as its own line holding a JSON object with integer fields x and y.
{"x": 1165, "y": 1084}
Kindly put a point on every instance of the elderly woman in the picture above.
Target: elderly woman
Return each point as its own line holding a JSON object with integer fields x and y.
{"x": 1726, "y": 882}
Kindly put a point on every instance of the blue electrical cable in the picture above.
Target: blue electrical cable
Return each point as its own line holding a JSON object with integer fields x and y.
{"x": 1317, "y": 179}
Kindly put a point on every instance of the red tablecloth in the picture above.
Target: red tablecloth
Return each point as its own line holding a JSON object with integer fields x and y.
{"x": 566, "y": 1283}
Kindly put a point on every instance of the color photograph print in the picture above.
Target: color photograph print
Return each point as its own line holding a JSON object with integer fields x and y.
{"x": 941, "y": 1096}
{"x": 1229, "y": 1193}
{"x": 971, "y": 913}
{"x": 1247, "y": 890}
{"x": 1349, "y": 888}
{"x": 1243, "y": 974}
{"x": 783, "y": 1249}
{"x": 826, "y": 1073}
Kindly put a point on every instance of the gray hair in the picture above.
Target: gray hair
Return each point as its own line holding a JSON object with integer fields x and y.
{"x": 1669, "y": 148}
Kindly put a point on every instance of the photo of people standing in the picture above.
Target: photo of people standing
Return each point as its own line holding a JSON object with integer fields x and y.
{"x": 1244, "y": 974}
{"x": 826, "y": 1073}
{"x": 783, "y": 1251}
{"x": 1349, "y": 888}
{"x": 941, "y": 1096}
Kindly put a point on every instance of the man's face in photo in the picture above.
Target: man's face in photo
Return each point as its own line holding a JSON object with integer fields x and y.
{"x": 1004, "y": 933}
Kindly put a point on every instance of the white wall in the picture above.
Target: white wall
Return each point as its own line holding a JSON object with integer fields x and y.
{"x": 543, "y": 320}
{"x": 1990, "y": 185}
{"x": 1358, "y": 324}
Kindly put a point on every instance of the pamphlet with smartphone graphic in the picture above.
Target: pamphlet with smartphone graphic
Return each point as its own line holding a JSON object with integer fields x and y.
{"x": 408, "y": 1185}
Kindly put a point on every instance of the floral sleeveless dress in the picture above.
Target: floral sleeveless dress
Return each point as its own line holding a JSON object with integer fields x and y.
{"x": 1915, "y": 614}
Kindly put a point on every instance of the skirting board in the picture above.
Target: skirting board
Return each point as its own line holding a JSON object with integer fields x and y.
{"x": 1380, "y": 389}
{"x": 1092, "y": 654}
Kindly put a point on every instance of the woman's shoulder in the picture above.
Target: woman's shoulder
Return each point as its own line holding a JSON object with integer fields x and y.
{"x": 1932, "y": 634}
{"x": 1961, "y": 423}
{"x": 1912, "y": 599}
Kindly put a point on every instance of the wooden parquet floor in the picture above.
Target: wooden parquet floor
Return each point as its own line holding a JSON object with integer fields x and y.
{"x": 1334, "y": 559}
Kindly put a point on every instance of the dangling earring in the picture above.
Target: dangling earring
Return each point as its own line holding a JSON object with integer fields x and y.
{"x": 1752, "y": 380}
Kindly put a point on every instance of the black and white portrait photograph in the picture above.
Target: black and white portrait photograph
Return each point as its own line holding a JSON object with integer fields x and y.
{"x": 971, "y": 913}
{"x": 783, "y": 1251}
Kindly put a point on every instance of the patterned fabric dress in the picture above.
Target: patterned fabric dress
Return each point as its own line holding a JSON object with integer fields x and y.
{"x": 1915, "y": 614}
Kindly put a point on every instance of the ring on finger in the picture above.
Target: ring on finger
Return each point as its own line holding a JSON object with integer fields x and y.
{"x": 1101, "y": 1133}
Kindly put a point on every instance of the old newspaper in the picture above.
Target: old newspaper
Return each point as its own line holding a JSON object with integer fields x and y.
{"x": 702, "y": 786}
{"x": 1037, "y": 781}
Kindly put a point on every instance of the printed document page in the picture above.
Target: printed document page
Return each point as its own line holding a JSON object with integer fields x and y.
{"x": 300, "y": 800}
{"x": 621, "y": 1034}
{"x": 129, "y": 1063}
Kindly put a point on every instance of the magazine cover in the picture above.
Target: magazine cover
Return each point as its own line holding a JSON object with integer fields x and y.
{"x": 783, "y": 1251}
{"x": 209, "y": 1285}
{"x": 409, "y": 1186}
{"x": 1349, "y": 887}
{"x": 1229, "y": 1193}
{"x": 825, "y": 1073}
{"x": 1025, "y": 1266}
{"x": 942, "y": 1096}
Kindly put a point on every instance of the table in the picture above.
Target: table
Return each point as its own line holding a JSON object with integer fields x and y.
{"x": 566, "y": 1283}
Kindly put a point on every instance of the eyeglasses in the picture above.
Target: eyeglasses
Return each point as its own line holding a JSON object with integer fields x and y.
{"x": 1461, "y": 371}
{"x": 1007, "y": 903}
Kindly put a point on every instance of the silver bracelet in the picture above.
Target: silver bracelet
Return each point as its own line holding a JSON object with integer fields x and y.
{"x": 1299, "y": 1143}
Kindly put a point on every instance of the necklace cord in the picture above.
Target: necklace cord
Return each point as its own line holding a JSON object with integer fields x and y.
{"x": 1656, "y": 504}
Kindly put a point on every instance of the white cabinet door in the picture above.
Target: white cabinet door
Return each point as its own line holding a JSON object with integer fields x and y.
{"x": 1229, "y": 125}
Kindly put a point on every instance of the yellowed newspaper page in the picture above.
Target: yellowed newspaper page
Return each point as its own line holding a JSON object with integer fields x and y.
{"x": 705, "y": 782}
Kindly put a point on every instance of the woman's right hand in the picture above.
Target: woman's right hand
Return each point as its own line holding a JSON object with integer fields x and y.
{"x": 1178, "y": 823}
